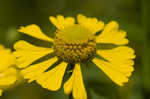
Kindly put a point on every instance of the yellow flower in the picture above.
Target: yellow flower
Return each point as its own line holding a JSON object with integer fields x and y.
{"x": 8, "y": 73}
{"x": 75, "y": 43}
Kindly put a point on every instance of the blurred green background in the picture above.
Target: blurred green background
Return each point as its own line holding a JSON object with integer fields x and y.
{"x": 132, "y": 15}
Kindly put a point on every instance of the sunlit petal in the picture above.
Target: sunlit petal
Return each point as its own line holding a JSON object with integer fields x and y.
{"x": 27, "y": 53}
{"x": 34, "y": 70}
{"x": 115, "y": 75}
{"x": 120, "y": 58}
{"x": 75, "y": 84}
{"x": 8, "y": 77}
{"x": 112, "y": 35}
{"x": 90, "y": 23}
{"x": 52, "y": 79}
{"x": 60, "y": 22}
{"x": 34, "y": 31}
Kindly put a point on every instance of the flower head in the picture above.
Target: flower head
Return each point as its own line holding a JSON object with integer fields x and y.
{"x": 8, "y": 73}
{"x": 75, "y": 43}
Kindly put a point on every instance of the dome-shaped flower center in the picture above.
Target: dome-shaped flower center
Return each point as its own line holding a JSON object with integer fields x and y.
{"x": 74, "y": 44}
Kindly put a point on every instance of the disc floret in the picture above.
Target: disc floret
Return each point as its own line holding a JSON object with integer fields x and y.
{"x": 74, "y": 44}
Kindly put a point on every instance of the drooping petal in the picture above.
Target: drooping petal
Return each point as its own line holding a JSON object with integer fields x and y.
{"x": 53, "y": 78}
{"x": 27, "y": 53}
{"x": 115, "y": 75}
{"x": 75, "y": 84}
{"x": 8, "y": 77}
{"x": 90, "y": 23}
{"x": 79, "y": 91}
{"x": 34, "y": 31}
{"x": 68, "y": 86}
{"x": 60, "y": 22}
{"x": 120, "y": 58}
{"x": 112, "y": 35}
{"x": 35, "y": 70}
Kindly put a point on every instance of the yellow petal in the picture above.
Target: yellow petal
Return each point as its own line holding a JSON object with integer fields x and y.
{"x": 27, "y": 53}
{"x": 117, "y": 54}
{"x": 112, "y": 35}
{"x": 8, "y": 77}
{"x": 53, "y": 78}
{"x": 1, "y": 91}
{"x": 75, "y": 84}
{"x": 60, "y": 22}
{"x": 34, "y": 70}
{"x": 68, "y": 86}
{"x": 34, "y": 31}
{"x": 115, "y": 75}
{"x": 79, "y": 91}
{"x": 7, "y": 59}
{"x": 90, "y": 23}
{"x": 120, "y": 58}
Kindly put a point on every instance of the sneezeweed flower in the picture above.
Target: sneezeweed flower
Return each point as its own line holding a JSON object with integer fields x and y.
{"x": 75, "y": 43}
{"x": 8, "y": 74}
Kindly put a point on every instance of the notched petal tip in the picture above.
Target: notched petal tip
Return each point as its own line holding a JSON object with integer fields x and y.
{"x": 118, "y": 75}
{"x": 112, "y": 25}
{"x": 122, "y": 84}
{"x": 61, "y": 22}
{"x": 20, "y": 29}
{"x": 90, "y": 23}
{"x": 115, "y": 23}
{"x": 112, "y": 34}
{"x": 51, "y": 18}
{"x": 60, "y": 17}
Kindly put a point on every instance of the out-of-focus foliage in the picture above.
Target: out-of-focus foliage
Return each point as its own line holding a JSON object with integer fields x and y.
{"x": 133, "y": 16}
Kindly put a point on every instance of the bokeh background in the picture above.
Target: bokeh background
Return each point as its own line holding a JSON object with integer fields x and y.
{"x": 132, "y": 15}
